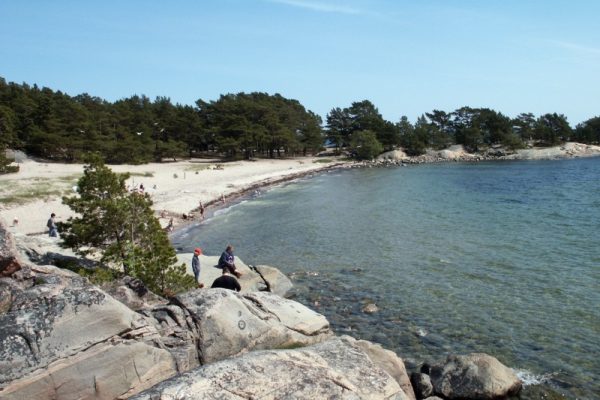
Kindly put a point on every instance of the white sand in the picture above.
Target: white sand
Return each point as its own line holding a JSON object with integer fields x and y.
{"x": 196, "y": 180}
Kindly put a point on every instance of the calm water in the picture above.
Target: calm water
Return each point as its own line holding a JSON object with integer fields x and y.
{"x": 502, "y": 258}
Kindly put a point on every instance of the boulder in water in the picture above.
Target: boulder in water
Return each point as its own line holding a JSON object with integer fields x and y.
{"x": 473, "y": 376}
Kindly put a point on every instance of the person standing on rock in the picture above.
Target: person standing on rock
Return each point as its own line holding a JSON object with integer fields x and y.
{"x": 227, "y": 261}
{"x": 227, "y": 281}
{"x": 51, "y": 224}
{"x": 196, "y": 266}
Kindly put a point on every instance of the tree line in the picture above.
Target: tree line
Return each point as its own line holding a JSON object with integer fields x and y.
{"x": 53, "y": 125}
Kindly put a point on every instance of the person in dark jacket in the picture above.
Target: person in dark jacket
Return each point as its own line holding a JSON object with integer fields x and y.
{"x": 196, "y": 266}
{"x": 227, "y": 261}
{"x": 227, "y": 281}
{"x": 51, "y": 224}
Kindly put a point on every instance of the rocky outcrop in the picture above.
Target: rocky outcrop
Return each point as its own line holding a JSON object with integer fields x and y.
{"x": 254, "y": 279}
{"x": 473, "y": 376}
{"x": 133, "y": 293}
{"x": 338, "y": 368}
{"x": 421, "y": 384}
{"x": 226, "y": 323}
{"x": 9, "y": 263}
{"x": 61, "y": 337}
{"x": 64, "y": 338}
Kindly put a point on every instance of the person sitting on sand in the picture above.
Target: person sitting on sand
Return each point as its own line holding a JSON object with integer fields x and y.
{"x": 196, "y": 266}
{"x": 227, "y": 281}
{"x": 227, "y": 261}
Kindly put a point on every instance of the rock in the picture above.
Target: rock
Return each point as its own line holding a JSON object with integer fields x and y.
{"x": 337, "y": 368}
{"x": 9, "y": 262}
{"x": 390, "y": 363}
{"x": 133, "y": 293}
{"x": 276, "y": 281}
{"x": 263, "y": 279}
{"x": 63, "y": 338}
{"x": 421, "y": 383}
{"x": 473, "y": 376}
{"x": 44, "y": 250}
{"x": 231, "y": 324}
{"x": 394, "y": 155}
{"x": 370, "y": 308}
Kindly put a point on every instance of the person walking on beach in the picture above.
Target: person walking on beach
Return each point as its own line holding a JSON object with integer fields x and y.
{"x": 201, "y": 210}
{"x": 51, "y": 224}
{"x": 226, "y": 262}
{"x": 196, "y": 266}
{"x": 227, "y": 281}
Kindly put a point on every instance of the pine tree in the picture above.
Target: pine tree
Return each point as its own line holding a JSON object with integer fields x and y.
{"x": 122, "y": 227}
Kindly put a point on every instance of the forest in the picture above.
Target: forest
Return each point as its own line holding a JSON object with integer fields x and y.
{"x": 53, "y": 125}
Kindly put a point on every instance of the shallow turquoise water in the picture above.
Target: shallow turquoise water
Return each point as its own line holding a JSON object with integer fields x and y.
{"x": 502, "y": 258}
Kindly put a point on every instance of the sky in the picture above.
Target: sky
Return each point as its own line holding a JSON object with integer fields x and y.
{"x": 406, "y": 57}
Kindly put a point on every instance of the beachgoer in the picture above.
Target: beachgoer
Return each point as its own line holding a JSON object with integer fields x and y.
{"x": 15, "y": 221}
{"x": 226, "y": 281}
{"x": 196, "y": 266}
{"x": 142, "y": 189}
{"x": 169, "y": 227}
{"x": 51, "y": 224}
{"x": 227, "y": 261}
{"x": 223, "y": 198}
{"x": 201, "y": 210}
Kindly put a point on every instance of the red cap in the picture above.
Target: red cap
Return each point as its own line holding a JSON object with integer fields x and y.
{"x": 198, "y": 250}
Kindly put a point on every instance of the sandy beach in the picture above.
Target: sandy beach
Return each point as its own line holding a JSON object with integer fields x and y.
{"x": 34, "y": 192}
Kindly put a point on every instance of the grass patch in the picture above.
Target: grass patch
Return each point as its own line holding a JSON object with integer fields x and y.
{"x": 196, "y": 167}
{"x": 69, "y": 178}
{"x": 33, "y": 192}
{"x": 146, "y": 174}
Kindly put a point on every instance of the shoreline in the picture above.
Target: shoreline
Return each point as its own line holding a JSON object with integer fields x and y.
{"x": 176, "y": 188}
{"x": 217, "y": 204}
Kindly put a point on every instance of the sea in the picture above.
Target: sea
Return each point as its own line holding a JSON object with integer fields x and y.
{"x": 495, "y": 257}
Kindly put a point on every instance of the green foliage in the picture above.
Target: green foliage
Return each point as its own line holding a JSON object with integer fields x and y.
{"x": 98, "y": 276}
{"x": 342, "y": 124}
{"x": 122, "y": 226}
{"x": 588, "y": 131}
{"x": 135, "y": 130}
{"x": 552, "y": 129}
{"x": 365, "y": 145}
{"x": 246, "y": 125}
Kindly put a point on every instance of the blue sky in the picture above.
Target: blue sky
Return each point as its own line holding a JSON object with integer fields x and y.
{"x": 407, "y": 57}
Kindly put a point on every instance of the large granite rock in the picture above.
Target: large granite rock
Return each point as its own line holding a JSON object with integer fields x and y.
{"x": 254, "y": 279}
{"x": 230, "y": 323}
{"x": 336, "y": 369}
{"x": 473, "y": 376}
{"x": 61, "y": 337}
{"x": 9, "y": 263}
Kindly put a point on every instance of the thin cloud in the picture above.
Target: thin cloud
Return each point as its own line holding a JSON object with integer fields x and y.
{"x": 319, "y": 6}
{"x": 595, "y": 51}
